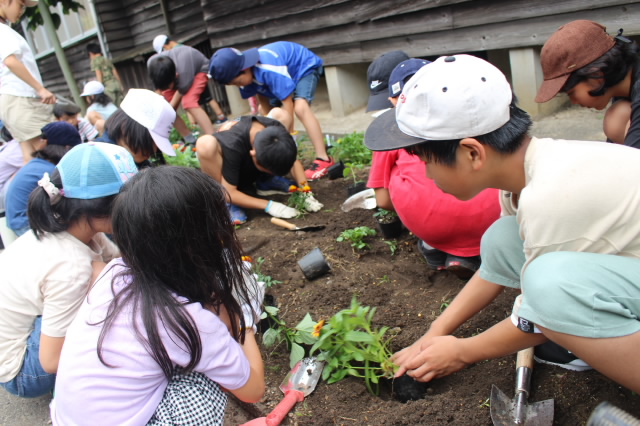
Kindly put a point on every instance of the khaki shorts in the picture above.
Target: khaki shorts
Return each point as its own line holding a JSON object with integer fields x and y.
{"x": 25, "y": 117}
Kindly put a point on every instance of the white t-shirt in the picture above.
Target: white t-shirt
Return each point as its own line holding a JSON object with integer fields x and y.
{"x": 13, "y": 43}
{"x": 129, "y": 392}
{"x": 581, "y": 197}
{"x": 47, "y": 277}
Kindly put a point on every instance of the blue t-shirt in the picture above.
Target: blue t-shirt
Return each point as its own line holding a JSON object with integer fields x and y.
{"x": 104, "y": 110}
{"x": 282, "y": 64}
{"x": 25, "y": 181}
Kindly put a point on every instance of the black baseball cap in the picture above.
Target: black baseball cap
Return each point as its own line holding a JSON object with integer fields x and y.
{"x": 378, "y": 75}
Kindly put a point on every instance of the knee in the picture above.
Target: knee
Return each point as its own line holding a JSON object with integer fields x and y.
{"x": 301, "y": 106}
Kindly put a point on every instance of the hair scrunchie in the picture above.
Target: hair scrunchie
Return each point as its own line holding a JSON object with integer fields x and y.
{"x": 52, "y": 191}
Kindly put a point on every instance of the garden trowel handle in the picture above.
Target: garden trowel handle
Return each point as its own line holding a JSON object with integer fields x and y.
{"x": 283, "y": 223}
{"x": 278, "y": 414}
{"x": 524, "y": 368}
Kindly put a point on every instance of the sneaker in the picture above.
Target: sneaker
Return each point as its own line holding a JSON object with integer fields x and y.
{"x": 273, "y": 185}
{"x": 220, "y": 120}
{"x": 319, "y": 168}
{"x": 434, "y": 257}
{"x": 554, "y": 354}
{"x": 462, "y": 267}
{"x": 238, "y": 216}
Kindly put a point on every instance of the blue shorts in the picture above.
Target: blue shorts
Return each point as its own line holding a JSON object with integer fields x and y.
{"x": 305, "y": 89}
{"x": 32, "y": 381}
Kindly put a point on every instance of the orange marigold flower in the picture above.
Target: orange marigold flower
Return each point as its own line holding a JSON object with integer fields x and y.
{"x": 293, "y": 188}
{"x": 247, "y": 259}
{"x": 306, "y": 188}
{"x": 176, "y": 145}
{"x": 318, "y": 328}
{"x": 193, "y": 149}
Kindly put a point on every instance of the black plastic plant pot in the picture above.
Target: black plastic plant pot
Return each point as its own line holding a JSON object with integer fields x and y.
{"x": 391, "y": 230}
{"x": 406, "y": 388}
{"x": 336, "y": 171}
{"x": 355, "y": 188}
{"x": 314, "y": 265}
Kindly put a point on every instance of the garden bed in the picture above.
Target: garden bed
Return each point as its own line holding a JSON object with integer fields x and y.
{"x": 407, "y": 295}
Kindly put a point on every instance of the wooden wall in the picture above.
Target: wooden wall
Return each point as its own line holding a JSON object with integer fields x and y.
{"x": 355, "y": 31}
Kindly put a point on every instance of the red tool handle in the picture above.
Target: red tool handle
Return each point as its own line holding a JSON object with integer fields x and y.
{"x": 278, "y": 414}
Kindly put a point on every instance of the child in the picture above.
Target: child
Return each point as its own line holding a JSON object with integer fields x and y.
{"x": 281, "y": 74}
{"x": 100, "y": 105}
{"x": 25, "y": 105}
{"x": 106, "y": 73}
{"x": 162, "y": 43}
{"x": 10, "y": 163}
{"x": 449, "y": 229}
{"x": 573, "y": 249}
{"x": 594, "y": 68}
{"x": 69, "y": 112}
{"x": 46, "y": 273}
{"x": 180, "y": 319}
{"x": 57, "y": 138}
{"x": 142, "y": 126}
{"x": 252, "y": 150}
{"x": 181, "y": 75}
{"x": 378, "y": 74}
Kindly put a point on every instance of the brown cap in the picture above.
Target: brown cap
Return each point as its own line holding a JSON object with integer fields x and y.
{"x": 570, "y": 48}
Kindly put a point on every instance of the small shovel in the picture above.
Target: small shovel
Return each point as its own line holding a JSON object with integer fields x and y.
{"x": 298, "y": 383}
{"x": 517, "y": 411}
{"x": 292, "y": 227}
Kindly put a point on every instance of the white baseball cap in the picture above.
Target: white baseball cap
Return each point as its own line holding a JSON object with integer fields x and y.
{"x": 158, "y": 42}
{"x": 455, "y": 97}
{"x": 92, "y": 88}
{"x": 153, "y": 112}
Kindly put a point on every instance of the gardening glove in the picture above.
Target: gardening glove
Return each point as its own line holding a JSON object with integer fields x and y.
{"x": 311, "y": 204}
{"x": 252, "y": 308}
{"x": 276, "y": 209}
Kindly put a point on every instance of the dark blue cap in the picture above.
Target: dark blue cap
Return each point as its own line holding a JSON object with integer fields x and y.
{"x": 226, "y": 63}
{"x": 61, "y": 133}
{"x": 400, "y": 73}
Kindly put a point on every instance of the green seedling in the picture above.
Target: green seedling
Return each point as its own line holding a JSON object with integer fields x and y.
{"x": 267, "y": 279}
{"x": 297, "y": 200}
{"x": 296, "y": 337}
{"x": 393, "y": 246}
{"x": 350, "y": 171}
{"x": 385, "y": 216}
{"x": 356, "y": 237}
{"x": 351, "y": 149}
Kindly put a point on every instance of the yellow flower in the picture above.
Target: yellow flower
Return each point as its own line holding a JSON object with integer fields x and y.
{"x": 247, "y": 259}
{"x": 318, "y": 328}
{"x": 293, "y": 188}
{"x": 176, "y": 145}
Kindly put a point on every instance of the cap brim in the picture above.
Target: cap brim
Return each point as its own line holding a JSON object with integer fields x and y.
{"x": 383, "y": 134}
{"x": 163, "y": 144}
{"x": 251, "y": 57}
{"x": 379, "y": 101}
{"x": 551, "y": 88}
{"x": 31, "y": 3}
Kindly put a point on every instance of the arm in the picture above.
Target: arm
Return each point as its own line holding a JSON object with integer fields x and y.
{"x": 265, "y": 106}
{"x": 254, "y": 389}
{"x": 241, "y": 199}
{"x": 50, "y": 349}
{"x": 18, "y": 68}
{"x": 297, "y": 171}
{"x": 175, "y": 101}
{"x": 475, "y": 295}
{"x": 383, "y": 199}
{"x": 117, "y": 76}
{"x": 445, "y": 355}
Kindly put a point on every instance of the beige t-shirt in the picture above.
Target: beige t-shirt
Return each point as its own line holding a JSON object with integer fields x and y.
{"x": 581, "y": 197}
{"x": 47, "y": 277}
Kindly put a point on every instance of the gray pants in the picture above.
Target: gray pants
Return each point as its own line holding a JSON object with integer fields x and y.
{"x": 581, "y": 294}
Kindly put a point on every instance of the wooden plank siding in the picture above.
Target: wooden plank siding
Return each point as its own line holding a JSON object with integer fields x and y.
{"x": 358, "y": 31}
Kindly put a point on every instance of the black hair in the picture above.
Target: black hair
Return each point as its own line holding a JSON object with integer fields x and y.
{"x": 175, "y": 241}
{"x": 101, "y": 98}
{"x": 612, "y": 67}
{"x": 275, "y": 149}
{"x": 121, "y": 127}
{"x": 94, "y": 48}
{"x": 60, "y": 109}
{"x": 57, "y": 217}
{"x": 51, "y": 153}
{"x": 5, "y": 134}
{"x": 506, "y": 139}
{"x": 162, "y": 71}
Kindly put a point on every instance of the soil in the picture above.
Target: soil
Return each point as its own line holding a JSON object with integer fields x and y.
{"x": 407, "y": 295}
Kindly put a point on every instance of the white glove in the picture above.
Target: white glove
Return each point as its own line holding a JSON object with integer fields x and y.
{"x": 276, "y": 209}
{"x": 311, "y": 204}
{"x": 252, "y": 309}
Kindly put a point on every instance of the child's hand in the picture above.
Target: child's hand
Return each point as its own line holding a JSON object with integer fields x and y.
{"x": 46, "y": 96}
{"x": 311, "y": 204}
{"x": 276, "y": 209}
{"x": 435, "y": 358}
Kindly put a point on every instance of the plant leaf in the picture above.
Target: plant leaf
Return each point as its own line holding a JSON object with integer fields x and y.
{"x": 297, "y": 353}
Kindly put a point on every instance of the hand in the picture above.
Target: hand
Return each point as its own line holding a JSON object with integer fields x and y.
{"x": 46, "y": 96}
{"x": 252, "y": 309}
{"x": 311, "y": 204}
{"x": 434, "y": 358}
{"x": 276, "y": 209}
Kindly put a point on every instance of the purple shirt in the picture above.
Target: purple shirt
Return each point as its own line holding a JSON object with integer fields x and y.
{"x": 10, "y": 163}
{"x": 129, "y": 393}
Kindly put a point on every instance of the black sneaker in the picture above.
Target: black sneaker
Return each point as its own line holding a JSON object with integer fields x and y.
{"x": 434, "y": 257}
{"x": 462, "y": 267}
{"x": 554, "y": 354}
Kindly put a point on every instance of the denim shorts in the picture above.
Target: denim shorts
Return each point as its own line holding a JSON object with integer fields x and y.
{"x": 305, "y": 89}
{"x": 32, "y": 381}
